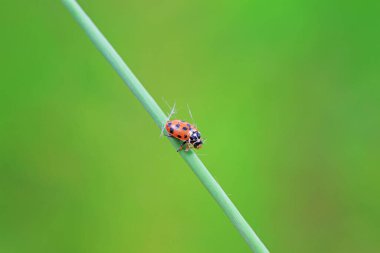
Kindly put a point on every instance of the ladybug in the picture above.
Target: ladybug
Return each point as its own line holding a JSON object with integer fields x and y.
{"x": 185, "y": 132}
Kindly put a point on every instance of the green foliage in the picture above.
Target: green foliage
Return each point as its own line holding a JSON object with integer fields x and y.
{"x": 286, "y": 93}
{"x": 159, "y": 117}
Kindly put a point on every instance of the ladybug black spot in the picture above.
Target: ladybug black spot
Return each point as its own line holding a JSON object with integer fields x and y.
{"x": 177, "y": 126}
{"x": 184, "y": 128}
{"x": 170, "y": 123}
{"x": 171, "y": 130}
{"x": 179, "y": 136}
{"x": 188, "y": 125}
{"x": 185, "y": 136}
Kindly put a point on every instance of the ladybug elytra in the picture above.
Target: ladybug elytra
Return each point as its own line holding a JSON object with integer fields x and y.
{"x": 185, "y": 132}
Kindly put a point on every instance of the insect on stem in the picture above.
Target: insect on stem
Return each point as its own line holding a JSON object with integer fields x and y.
{"x": 160, "y": 119}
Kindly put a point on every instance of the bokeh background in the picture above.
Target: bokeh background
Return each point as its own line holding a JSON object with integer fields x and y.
{"x": 286, "y": 92}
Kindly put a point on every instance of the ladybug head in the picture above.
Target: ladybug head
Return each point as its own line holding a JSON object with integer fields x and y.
{"x": 198, "y": 144}
{"x": 195, "y": 139}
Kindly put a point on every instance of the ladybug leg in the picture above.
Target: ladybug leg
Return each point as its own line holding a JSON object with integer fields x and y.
{"x": 189, "y": 146}
{"x": 181, "y": 147}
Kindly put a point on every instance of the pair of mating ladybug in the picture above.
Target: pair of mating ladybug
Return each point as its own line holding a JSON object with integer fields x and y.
{"x": 185, "y": 132}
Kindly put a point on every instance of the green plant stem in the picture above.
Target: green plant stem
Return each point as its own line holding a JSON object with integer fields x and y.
{"x": 159, "y": 118}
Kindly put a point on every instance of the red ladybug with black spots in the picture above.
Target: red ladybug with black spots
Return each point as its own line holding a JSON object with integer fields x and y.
{"x": 185, "y": 132}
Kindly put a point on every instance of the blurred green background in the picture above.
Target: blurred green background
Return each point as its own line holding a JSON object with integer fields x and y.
{"x": 286, "y": 92}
